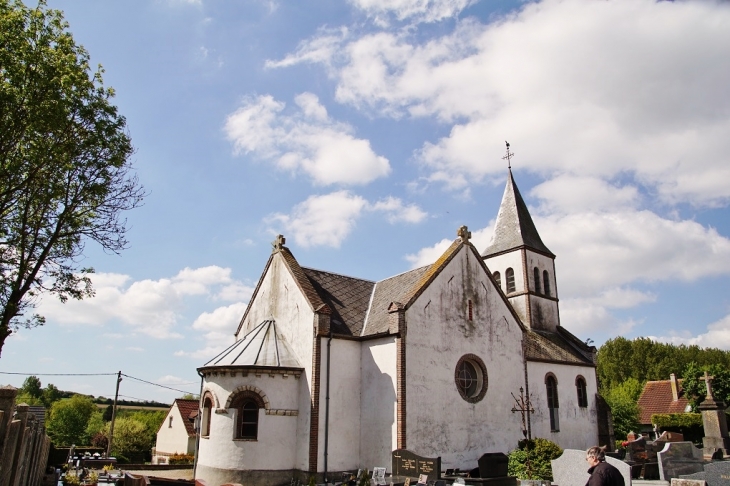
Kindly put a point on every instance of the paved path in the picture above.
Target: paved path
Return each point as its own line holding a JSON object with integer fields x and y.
{"x": 170, "y": 473}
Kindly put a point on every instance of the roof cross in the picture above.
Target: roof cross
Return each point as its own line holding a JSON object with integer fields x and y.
{"x": 278, "y": 243}
{"x": 509, "y": 156}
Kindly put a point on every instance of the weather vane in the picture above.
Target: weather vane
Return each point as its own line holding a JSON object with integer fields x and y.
{"x": 509, "y": 156}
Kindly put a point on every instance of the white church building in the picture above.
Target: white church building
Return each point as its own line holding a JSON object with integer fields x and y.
{"x": 333, "y": 373}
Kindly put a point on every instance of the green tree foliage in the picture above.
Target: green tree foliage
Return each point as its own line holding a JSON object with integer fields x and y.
{"x": 51, "y": 394}
{"x": 152, "y": 420}
{"x": 695, "y": 389}
{"x": 95, "y": 425}
{"x": 129, "y": 437}
{"x": 622, "y": 399}
{"x": 531, "y": 459}
{"x": 108, "y": 413}
{"x": 644, "y": 360}
{"x": 68, "y": 420}
{"x": 65, "y": 178}
{"x": 32, "y": 387}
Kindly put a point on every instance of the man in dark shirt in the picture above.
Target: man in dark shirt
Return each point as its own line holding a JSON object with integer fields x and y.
{"x": 602, "y": 473}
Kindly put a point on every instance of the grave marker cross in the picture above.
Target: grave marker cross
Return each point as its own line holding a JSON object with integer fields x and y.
{"x": 708, "y": 383}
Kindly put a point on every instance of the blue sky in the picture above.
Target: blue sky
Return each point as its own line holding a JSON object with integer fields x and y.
{"x": 368, "y": 131}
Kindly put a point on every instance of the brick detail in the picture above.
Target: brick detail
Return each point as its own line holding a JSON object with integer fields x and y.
{"x": 248, "y": 391}
{"x": 314, "y": 414}
{"x": 397, "y": 323}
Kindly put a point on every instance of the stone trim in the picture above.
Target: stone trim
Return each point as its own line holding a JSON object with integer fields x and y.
{"x": 256, "y": 371}
{"x": 282, "y": 411}
{"x": 248, "y": 391}
{"x": 213, "y": 396}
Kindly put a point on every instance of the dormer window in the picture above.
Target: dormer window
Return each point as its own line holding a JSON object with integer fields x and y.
{"x": 510, "y": 275}
{"x": 537, "y": 280}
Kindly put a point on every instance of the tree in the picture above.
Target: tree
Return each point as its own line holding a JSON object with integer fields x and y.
{"x": 129, "y": 437}
{"x": 695, "y": 389}
{"x": 622, "y": 399}
{"x": 32, "y": 387}
{"x": 65, "y": 175}
{"x": 68, "y": 420}
{"x": 51, "y": 394}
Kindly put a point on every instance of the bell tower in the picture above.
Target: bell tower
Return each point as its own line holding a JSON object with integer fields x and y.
{"x": 520, "y": 262}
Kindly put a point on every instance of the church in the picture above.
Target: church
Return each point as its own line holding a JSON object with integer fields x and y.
{"x": 332, "y": 373}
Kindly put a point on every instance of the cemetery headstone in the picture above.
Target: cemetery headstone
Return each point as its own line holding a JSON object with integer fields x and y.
{"x": 636, "y": 450}
{"x": 678, "y": 458}
{"x": 379, "y": 475}
{"x": 571, "y": 469}
{"x": 406, "y": 463}
{"x": 493, "y": 465}
{"x": 714, "y": 473}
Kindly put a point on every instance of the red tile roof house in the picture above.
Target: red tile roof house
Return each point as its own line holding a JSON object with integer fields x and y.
{"x": 664, "y": 396}
{"x": 177, "y": 432}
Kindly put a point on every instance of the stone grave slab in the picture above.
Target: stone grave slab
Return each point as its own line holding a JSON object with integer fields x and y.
{"x": 679, "y": 458}
{"x": 571, "y": 469}
{"x": 408, "y": 464}
{"x": 688, "y": 482}
{"x": 493, "y": 465}
{"x": 715, "y": 474}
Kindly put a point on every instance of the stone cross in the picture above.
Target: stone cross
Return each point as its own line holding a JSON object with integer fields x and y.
{"x": 278, "y": 243}
{"x": 464, "y": 234}
{"x": 708, "y": 383}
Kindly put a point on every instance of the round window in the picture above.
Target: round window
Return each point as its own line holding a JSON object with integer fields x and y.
{"x": 471, "y": 378}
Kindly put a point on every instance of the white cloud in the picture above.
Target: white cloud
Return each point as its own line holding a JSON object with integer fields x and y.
{"x": 326, "y": 220}
{"x": 416, "y": 10}
{"x": 307, "y": 141}
{"x": 217, "y": 328}
{"x": 426, "y": 256}
{"x": 148, "y": 307}
{"x": 717, "y": 336}
{"x": 320, "y": 49}
{"x": 631, "y": 88}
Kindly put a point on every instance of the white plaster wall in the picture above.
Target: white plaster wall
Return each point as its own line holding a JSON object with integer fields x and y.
{"x": 543, "y": 263}
{"x": 173, "y": 439}
{"x": 439, "y": 421}
{"x": 344, "y": 408}
{"x": 280, "y": 298}
{"x": 578, "y": 426}
{"x": 379, "y": 406}
{"x": 502, "y": 262}
{"x": 276, "y": 446}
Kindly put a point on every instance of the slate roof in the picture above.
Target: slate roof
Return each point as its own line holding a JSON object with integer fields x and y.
{"x": 514, "y": 227}
{"x": 556, "y": 347}
{"x": 188, "y": 410}
{"x": 347, "y": 298}
{"x": 657, "y": 398}
{"x": 262, "y": 346}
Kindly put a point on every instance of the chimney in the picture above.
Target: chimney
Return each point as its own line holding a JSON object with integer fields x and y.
{"x": 675, "y": 390}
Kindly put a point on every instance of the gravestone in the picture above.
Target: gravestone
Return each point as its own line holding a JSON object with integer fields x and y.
{"x": 493, "y": 465}
{"x": 715, "y": 474}
{"x": 571, "y": 469}
{"x": 406, "y": 463}
{"x": 679, "y": 458}
{"x": 636, "y": 450}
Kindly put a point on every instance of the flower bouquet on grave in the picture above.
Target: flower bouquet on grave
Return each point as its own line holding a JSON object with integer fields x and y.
{"x": 71, "y": 479}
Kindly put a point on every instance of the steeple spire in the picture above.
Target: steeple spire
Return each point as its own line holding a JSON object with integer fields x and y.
{"x": 514, "y": 227}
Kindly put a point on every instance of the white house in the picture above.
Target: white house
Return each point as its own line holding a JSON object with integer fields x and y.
{"x": 177, "y": 432}
{"x": 332, "y": 373}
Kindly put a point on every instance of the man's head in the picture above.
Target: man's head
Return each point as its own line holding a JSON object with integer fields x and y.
{"x": 594, "y": 455}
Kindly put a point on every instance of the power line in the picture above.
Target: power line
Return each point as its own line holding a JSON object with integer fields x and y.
{"x": 57, "y": 374}
{"x": 157, "y": 384}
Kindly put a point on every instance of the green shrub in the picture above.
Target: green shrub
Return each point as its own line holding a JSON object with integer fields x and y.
{"x": 531, "y": 459}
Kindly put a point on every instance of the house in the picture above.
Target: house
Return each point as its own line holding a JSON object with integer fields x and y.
{"x": 661, "y": 397}
{"x": 177, "y": 432}
{"x": 332, "y": 373}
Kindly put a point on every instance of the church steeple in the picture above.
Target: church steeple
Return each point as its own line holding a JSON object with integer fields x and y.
{"x": 522, "y": 265}
{"x": 514, "y": 227}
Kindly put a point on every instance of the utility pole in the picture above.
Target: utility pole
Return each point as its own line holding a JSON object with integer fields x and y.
{"x": 114, "y": 414}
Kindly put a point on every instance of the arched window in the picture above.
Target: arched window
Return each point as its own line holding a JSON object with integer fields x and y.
{"x": 498, "y": 279}
{"x": 205, "y": 422}
{"x": 551, "y": 386}
{"x": 537, "y": 280}
{"x": 248, "y": 421}
{"x": 247, "y": 404}
{"x": 545, "y": 281}
{"x": 510, "y": 276}
{"x": 580, "y": 388}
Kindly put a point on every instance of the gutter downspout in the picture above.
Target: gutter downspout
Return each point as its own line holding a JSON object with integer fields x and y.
{"x": 527, "y": 390}
{"x": 327, "y": 406}
{"x": 197, "y": 429}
